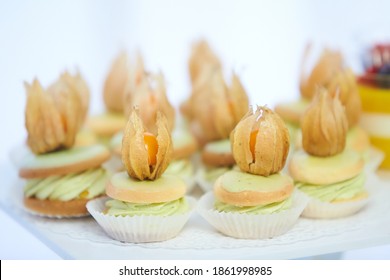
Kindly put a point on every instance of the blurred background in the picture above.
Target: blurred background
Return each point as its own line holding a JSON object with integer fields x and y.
{"x": 263, "y": 41}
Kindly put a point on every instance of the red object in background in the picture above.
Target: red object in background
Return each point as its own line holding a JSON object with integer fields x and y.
{"x": 377, "y": 66}
{"x": 380, "y": 55}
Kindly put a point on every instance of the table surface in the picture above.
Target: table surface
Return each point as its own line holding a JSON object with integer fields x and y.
{"x": 29, "y": 237}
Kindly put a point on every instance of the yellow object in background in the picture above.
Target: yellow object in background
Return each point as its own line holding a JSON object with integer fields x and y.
{"x": 384, "y": 145}
{"x": 374, "y": 99}
{"x": 377, "y": 100}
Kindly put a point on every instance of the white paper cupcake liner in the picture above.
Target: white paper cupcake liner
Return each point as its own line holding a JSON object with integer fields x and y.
{"x": 325, "y": 210}
{"x": 250, "y": 226}
{"x": 139, "y": 229}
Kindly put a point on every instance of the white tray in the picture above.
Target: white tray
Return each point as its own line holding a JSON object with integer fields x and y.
{"x": 82, "y": 238}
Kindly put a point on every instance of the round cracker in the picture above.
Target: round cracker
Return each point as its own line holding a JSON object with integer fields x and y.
{"x": 253, "y": 197}
{"x": 217, "y": 159}
{"x": 106, "y": 124}
{"x": 184, "y": 151}
{"x": 358, "y": 139}
{"x": 291, "y": 111}
{"x": 57, "y": 208}
{"x": 218, "y": 154}
{"x": 325, "y": 170}
{"x": 164, "y": 189}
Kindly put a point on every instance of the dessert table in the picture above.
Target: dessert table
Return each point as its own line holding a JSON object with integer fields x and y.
{"x": 82, "y": 238}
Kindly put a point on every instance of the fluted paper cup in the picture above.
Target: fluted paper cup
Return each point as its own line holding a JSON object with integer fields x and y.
{"x": 251, "y": 226}
{"x": 139, "y": 229}
{"x": 325, "y": 210}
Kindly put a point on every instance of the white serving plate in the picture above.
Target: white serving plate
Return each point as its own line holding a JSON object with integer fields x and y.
{"x": 82, "y": 238}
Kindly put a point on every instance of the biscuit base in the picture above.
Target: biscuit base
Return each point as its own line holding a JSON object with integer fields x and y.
{"x": 106, "y": 126}
{"x": 185, "y": 151}
{"x": 251, "y": 198}
{"x": 290, "y": 112}
{"x": 217, "y": 160}
{"x": 57, "y": 208}
{"x": 358, "y": 139}
{"x": 117, "y": 150}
